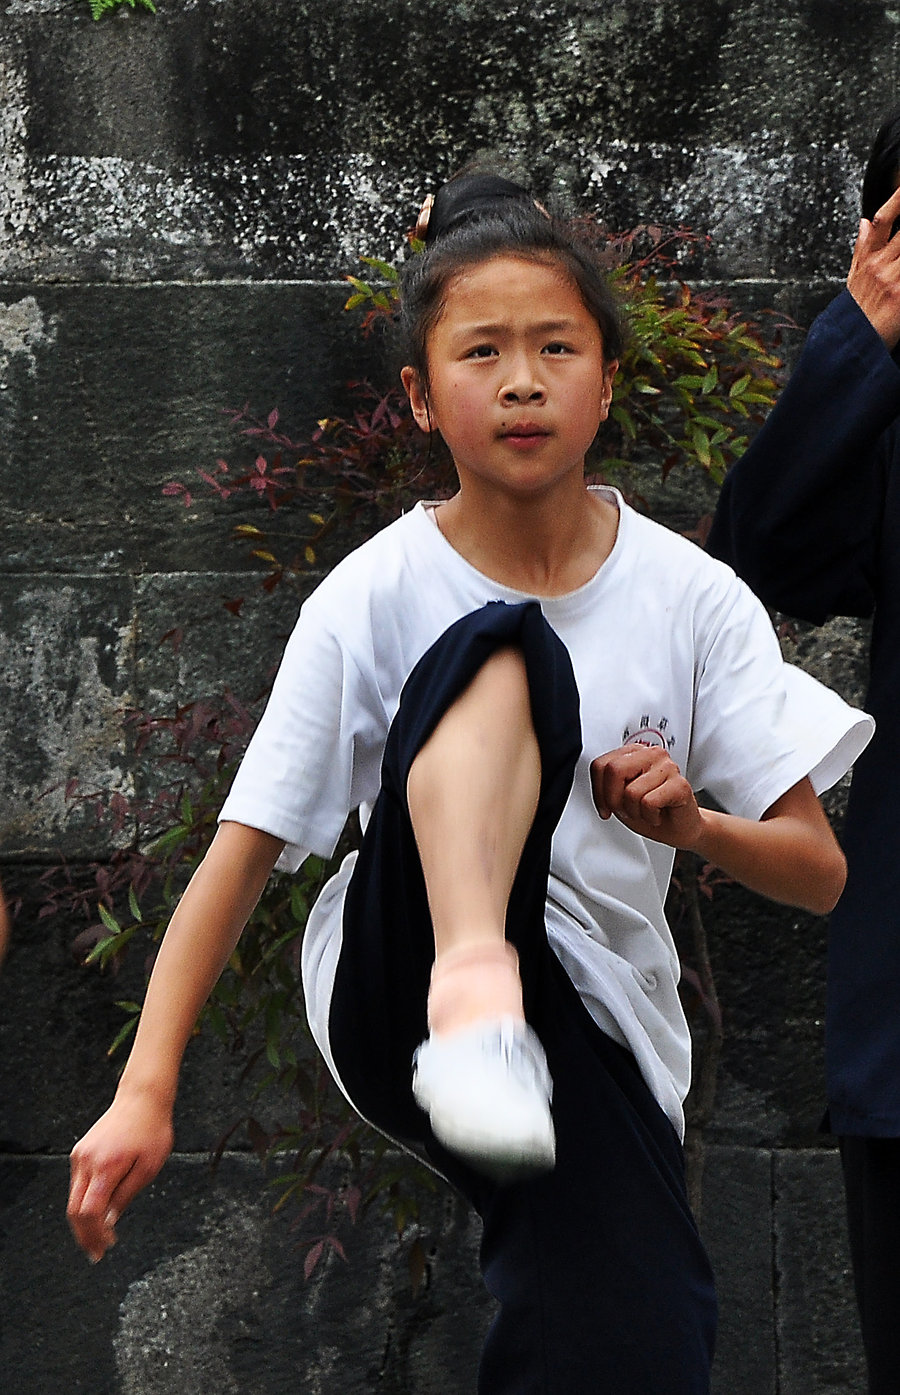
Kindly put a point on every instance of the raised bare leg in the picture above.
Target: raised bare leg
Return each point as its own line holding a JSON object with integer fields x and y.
{"x": 473, "y": 792}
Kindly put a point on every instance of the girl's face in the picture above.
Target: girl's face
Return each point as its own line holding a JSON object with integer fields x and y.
{"x": 518, "y": 383}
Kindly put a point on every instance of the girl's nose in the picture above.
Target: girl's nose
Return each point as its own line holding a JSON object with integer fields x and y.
{"x": 523, "y": 385}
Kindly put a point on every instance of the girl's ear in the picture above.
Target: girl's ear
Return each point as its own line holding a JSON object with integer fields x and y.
{"x": 418, "y": 400}
{"x": 610, "y": 369}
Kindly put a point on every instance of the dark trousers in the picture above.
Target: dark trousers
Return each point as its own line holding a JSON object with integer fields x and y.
{"x": 603, "y": 1284}
{"x": 872, "y": 1186}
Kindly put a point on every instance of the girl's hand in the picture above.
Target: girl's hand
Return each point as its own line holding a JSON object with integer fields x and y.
{"x": 109, "y": 1166}
{"x": 644, "y": 788}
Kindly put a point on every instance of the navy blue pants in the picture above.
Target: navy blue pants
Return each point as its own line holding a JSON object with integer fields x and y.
{"x": 603, "y": 1284}
{"x": 872, "y": 1186}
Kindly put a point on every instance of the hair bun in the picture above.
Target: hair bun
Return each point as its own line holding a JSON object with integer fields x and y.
{"x": 465, "y": 198}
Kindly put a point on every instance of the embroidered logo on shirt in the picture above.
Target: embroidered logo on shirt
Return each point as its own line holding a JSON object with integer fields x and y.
{"x": 646, "y": 735}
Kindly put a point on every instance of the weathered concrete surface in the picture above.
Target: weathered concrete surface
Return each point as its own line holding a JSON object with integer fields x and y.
{"x": 66, "y": 654}
{"x": 78, "y": 653}
{"x": 226, "y": 137}
{"x": 818, "y": 1338}
{"x": 57, "y": 1021}
{"x": 107, "y": 393}
{"x": 205, "y": 1294}
{"x": 205, "y": 1291}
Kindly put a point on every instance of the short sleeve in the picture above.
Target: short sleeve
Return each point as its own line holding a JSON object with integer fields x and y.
{"x": 761, "y": 725}
{"x": 316, "y": 753}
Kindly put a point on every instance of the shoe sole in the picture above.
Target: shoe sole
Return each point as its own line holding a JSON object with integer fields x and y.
{"x": 530, "y": 1157}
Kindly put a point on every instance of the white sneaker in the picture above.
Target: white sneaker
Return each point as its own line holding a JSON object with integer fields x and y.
{"x": 487, "y": 1092}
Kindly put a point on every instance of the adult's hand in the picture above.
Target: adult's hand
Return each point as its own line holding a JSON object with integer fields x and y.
{"x": 874, "y": 279}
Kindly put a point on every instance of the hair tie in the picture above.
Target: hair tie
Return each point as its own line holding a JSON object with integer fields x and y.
{"x": 420, "y": 230}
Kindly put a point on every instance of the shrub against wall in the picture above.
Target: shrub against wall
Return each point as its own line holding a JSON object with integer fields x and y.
{"x": 99, "y": 8}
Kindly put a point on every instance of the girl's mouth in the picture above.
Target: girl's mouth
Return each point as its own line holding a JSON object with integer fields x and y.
{"x": 525, "y": 434}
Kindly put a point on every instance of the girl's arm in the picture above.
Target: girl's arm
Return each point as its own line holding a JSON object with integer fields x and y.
{"x": 790, "y": 855}
{"x": 129, "y": 1144}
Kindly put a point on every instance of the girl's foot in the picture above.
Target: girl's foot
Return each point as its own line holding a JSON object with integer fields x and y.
{"x": 471, "y": 982}
{"x": 487, "y": 1091}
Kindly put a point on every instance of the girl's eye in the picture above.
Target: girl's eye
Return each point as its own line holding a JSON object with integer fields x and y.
{"x": 556, "y": 348}
{"x": 482, "y": 351}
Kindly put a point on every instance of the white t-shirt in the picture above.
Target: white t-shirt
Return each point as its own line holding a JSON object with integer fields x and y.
{"x": 668, "y": 647}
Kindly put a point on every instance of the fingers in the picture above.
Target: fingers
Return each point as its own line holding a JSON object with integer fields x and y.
{"x": 646, "y": 791}
{"x": 91, "y": 1214}
{"x": 109, "y": 1166}
{"x": 637, "y": 781}
{"x": 883, "y": 221}
{"x": 874, "y": 278}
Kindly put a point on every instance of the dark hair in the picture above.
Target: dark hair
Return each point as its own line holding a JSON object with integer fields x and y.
{"x": 883, "y": 165}
{"x": 475, "y": 217}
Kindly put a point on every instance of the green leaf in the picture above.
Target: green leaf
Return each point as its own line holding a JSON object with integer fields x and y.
{"x": 169, "y": 840}
{"x": 109, "y": 919}
{"x": 100, "y": 949}
{"x": 384, "y": 269}
{"x": 101, "y": 7}
{"x": 133, "y": 904}
{"x": 122, "y": 1035}
{"x": 701, "y": 446}
{"x": 624, "y": 420}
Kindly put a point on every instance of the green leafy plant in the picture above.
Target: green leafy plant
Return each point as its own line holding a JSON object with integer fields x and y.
{"x": 101, "y": 7}
{"x": 692, "y": 377}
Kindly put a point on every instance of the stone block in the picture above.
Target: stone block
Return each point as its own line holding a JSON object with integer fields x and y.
{"x": 214, "y": 649}
{"x": 234, "y": 139}
{"x": 57, "y": 1022}
{"x": 205, "y": 1293}
{"x": 108, "y": 393}
{"x": 66, "y": 655}
{"x": 737, "y": 1229}
{"x": 818, "y": 1334}
{"x": 205, "y": 1290}
{"x": 769, "y": 967}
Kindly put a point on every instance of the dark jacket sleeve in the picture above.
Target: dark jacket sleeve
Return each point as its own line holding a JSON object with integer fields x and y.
{"x": 799, "y": 514}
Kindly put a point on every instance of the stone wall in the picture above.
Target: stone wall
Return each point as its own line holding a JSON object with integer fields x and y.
{"x": 180, "y": 196}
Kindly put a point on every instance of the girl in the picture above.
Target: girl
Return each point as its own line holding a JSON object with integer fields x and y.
{"x": 503, "y": 922}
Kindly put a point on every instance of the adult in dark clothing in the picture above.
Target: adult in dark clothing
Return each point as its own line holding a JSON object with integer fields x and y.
{"x": 810, "y": 517}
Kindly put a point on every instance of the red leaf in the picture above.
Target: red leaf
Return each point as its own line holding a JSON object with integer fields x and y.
{"x": 352, "y": 1198}
{"x": 312, "y": 1258}
{"x": 174, "y": 488}
{"x": 259, "y": 1139}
